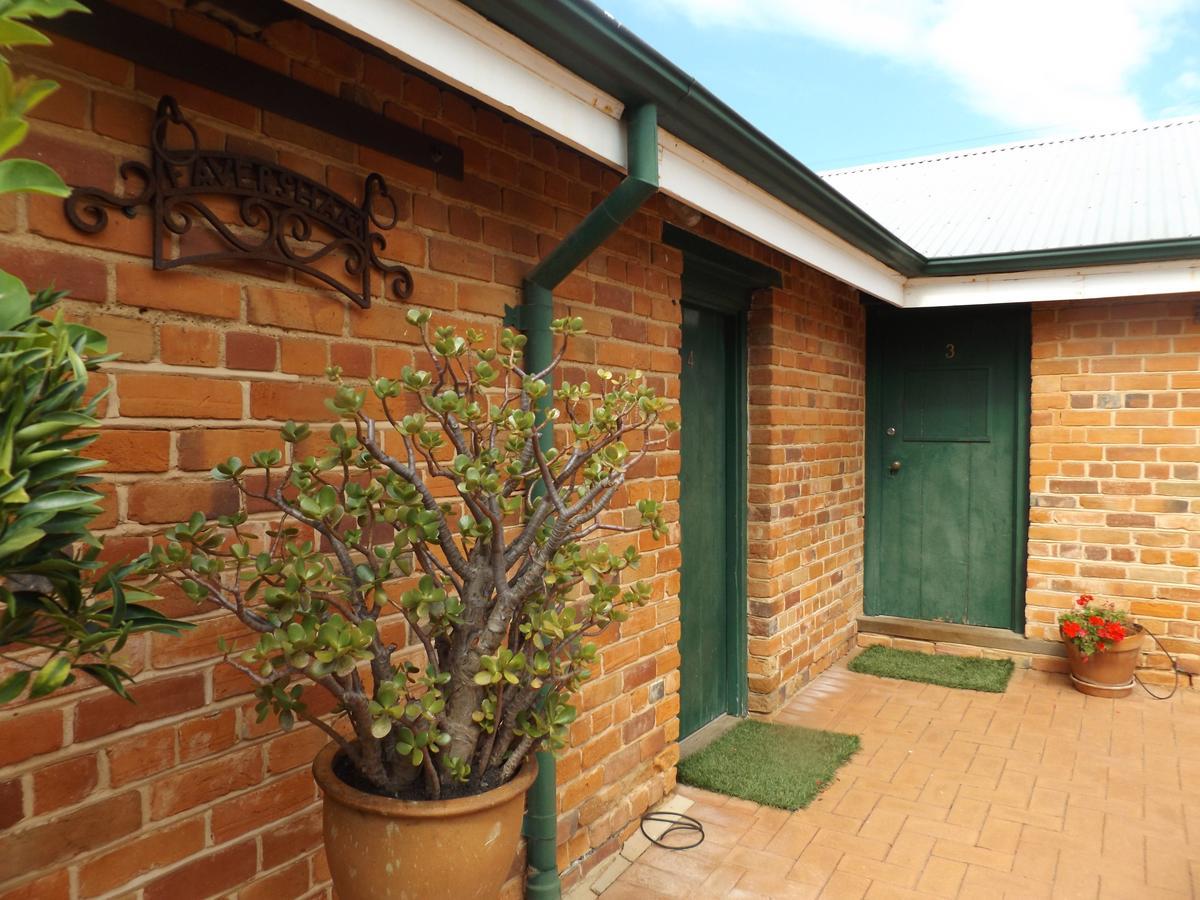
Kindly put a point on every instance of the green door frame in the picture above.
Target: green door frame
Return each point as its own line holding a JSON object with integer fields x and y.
{"x": 878, "y": 313}
{"x": 724, "y": 290}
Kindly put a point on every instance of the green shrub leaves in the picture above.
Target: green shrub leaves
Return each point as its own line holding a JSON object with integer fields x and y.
{"x": 59, "y": 609}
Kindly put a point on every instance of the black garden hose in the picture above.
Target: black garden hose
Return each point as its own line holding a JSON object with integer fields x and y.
{"x": 676, "y": 823}
{"x": 1174, "y": 668}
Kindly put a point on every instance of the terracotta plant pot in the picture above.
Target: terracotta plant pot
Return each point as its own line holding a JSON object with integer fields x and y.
{"x": 1109, "y": 673}
{"x": 385, "y": 849}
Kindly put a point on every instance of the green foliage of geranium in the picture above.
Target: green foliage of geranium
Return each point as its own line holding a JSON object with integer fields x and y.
{"x": 500, "y": 587}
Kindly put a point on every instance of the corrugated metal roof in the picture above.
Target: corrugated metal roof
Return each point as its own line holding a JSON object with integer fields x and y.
{"x": 1141, "y": 184}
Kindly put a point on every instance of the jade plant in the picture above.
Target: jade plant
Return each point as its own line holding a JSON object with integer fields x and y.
{"x": 439, "y": 497}
{"x": 61, "y": 611}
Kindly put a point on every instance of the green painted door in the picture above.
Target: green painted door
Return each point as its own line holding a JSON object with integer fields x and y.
{"x": 710, "y": 528}
{"x": 947, "y": 457}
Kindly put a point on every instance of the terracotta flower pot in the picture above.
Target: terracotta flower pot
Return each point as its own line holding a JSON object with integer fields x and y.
{"x": 1108, "y": 673}
{"x": 385, "y": 849}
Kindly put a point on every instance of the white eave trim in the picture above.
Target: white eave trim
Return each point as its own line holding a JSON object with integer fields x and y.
{"x": 458, "y": 46}
{"x": 1089, "y": 283}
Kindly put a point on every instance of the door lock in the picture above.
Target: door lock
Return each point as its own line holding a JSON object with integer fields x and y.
{"x": 894, "y": 467}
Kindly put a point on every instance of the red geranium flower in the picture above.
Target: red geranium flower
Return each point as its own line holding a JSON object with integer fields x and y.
{"x": 1071, "y": 629}
{"x": 1095, "y": 620}
{"x": 1084, "y": 599}
{"x": 1113, "y": 631}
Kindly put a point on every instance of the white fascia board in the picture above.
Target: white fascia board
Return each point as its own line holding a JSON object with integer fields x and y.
{"x": 458, "y": 46}
{"x": 687, "y": 174}
{"x": 1090, "y": 283}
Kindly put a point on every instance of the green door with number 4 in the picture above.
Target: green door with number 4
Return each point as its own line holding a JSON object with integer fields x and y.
{"x": 947, "y": 464}
{"x": 712, "y": 502}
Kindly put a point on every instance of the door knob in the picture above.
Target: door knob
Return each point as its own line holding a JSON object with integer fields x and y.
{"x": 895, "y": 466}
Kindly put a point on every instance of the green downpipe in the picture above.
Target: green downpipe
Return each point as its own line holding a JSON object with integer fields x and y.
{"x": 534, "y": 317}
{"x": 541, "y": 832}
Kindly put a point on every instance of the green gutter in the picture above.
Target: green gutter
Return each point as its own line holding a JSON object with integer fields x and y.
{"x": 592, "y": 44}
{"x": 1065, "y": 257}
{"x": 534, "y": 316}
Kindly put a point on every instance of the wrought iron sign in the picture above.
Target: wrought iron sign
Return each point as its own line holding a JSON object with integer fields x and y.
{"x": 285, "y": 217}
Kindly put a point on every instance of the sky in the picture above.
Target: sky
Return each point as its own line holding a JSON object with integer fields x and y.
{"x": 841, "y": 83}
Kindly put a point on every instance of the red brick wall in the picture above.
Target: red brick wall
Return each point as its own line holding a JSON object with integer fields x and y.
{"x": 184, "y": 788}
{"x": 807, "y": 415}
{"x": 1115, "y": 465}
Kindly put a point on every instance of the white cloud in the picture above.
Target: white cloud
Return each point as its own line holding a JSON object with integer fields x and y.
{"x": 1183, "y": 91}
{"x": 1186, "y": 84}
{"x": 1046, "y": 64}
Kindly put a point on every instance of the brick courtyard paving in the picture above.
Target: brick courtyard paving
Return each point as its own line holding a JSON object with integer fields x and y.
{"x": 1038, "y": 792}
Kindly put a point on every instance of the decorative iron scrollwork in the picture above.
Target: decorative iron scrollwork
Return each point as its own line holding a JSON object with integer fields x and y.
{"x": 285, "y": 218}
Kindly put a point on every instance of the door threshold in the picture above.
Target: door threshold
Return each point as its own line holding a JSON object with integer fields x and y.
{"x": 951, "y": 633}
{"x": 706, "y": 734}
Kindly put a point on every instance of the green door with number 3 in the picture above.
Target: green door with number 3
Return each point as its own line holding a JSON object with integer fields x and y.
{"x": 947, "y": 464}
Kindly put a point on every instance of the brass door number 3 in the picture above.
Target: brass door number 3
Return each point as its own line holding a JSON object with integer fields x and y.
{"x": 950, "y": 351}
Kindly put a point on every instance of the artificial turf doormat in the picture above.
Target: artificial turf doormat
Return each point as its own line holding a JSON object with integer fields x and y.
{"x": 969, "y": 673}
{"x": 776, "y": 765}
